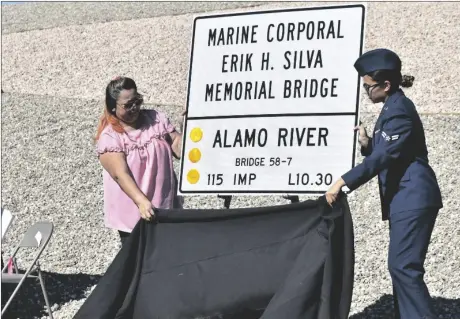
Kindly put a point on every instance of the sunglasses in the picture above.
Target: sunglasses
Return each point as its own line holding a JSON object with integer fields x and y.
{"x": 135, "y": 103}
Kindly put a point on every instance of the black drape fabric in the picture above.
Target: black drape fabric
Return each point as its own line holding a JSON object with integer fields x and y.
{"x": 292, "y": 261}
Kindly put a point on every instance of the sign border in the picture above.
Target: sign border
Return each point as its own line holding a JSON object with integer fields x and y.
{"x": 186, "y": 118}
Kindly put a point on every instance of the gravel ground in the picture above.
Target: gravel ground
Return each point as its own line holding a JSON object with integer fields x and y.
{"x": 49, "y": 172}
{"x": 51, "y": 105}
{"x": 40, "y": 16}
{"x": 156, "y": 53}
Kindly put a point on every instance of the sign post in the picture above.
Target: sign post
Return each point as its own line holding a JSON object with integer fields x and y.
{"x": 272, "y": 101}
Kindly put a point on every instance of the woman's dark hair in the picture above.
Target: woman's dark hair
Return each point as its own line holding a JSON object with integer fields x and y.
{"x": 112, "y": 92}
{"x": 394, "y": 77}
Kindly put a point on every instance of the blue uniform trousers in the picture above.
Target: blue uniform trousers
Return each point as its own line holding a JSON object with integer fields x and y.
{"x": 410, "y": 234}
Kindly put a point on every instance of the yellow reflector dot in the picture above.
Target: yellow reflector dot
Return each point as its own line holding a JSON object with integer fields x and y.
{"x": 194, "y": 155}
{"x": 196, "y": 134}
{"x": 193, "y": 176}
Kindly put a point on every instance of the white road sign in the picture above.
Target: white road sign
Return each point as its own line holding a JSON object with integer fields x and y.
{"x": 272, "y": 101}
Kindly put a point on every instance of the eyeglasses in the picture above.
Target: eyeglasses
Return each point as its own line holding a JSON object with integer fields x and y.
{"x": 368, "y": 87}
{"x": 135, "y": 103}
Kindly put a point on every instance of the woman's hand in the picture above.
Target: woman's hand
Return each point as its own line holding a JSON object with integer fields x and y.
{"x": 333, "y": 192}
{"x": 146, "y": 209}
{"x": 363, "y": 138}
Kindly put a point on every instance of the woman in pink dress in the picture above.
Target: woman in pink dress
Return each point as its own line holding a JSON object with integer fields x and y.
{"x": 136, "y": 149}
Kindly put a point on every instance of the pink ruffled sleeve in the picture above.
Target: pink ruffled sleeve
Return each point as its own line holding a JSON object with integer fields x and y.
{"x": 165, "y": 122}
{"x": 109, "y": 142}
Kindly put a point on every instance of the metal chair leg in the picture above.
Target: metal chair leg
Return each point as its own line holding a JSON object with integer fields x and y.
{"x": 19, "y": 287}
{"x": 15, "y": 292}
{"x": 15, "y": 265}
{"x": 45, "y": 294}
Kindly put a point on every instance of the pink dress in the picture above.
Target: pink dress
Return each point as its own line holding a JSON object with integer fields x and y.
{"x": 149, "y": 157}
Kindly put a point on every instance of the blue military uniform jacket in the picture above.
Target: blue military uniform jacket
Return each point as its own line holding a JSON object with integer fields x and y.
{"x": 397, "y": 153}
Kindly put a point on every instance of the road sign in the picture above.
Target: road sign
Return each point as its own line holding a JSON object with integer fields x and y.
{"x": 272, "y": 101}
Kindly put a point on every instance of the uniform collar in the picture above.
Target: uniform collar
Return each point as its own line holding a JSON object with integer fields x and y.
{"x": 394, "y": 97}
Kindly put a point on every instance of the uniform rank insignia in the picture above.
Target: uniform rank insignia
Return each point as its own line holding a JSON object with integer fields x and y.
{"x": 389, "y": 138}
{"x": 385, "y": 136}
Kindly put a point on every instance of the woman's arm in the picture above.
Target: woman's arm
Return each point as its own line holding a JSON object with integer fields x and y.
{"x": 174, "y": 138}
{"x": 396, "y": 134}
{"x": 115, "y": 164}
{"x": 176, "y": 143}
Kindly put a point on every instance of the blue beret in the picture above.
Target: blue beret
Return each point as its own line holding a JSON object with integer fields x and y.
{"x": 378, "y": 59}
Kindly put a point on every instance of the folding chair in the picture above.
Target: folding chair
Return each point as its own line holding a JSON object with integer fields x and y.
{"x": 37, "y": 236}
{"x": 7, "y": 219}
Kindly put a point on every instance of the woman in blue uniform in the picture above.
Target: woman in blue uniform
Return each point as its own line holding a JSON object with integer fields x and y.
{"x": 396, "y": 152}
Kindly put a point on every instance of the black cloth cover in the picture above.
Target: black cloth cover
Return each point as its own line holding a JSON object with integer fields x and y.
{"x": 280, "y": 262}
